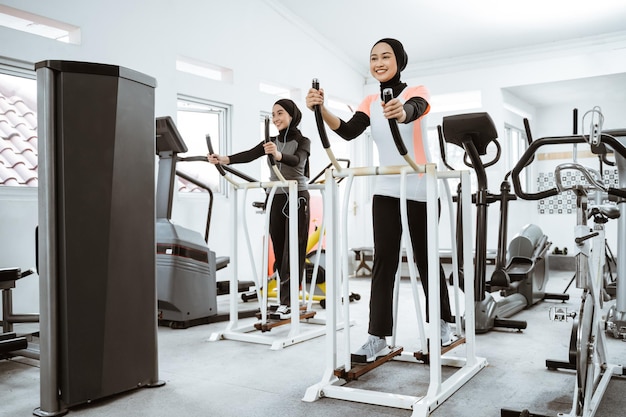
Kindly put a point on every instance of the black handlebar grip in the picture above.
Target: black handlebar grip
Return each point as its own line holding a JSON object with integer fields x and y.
{"x": 529, "y": 135}
{"x": 209, "y": 145}
{"x": 319, "y": 120}
{"x": 387, "y": 95}
{"x": 267, "y": 139}
{"x": 617, "y": 191}
{"x": 393, "y": 124}
{"x": 575, "y": 118}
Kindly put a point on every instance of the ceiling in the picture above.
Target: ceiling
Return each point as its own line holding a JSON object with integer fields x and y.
{"x": 436, "y": 32}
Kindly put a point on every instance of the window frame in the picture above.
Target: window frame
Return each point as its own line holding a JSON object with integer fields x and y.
{"x": 516, "y": 145}
{"x": 20, "y": 69}
{"x": 223, "y": 112}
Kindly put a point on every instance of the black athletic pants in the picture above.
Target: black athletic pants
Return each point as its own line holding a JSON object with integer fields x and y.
{"x": 279, "y": 232}
{"x": 387, "y": 241}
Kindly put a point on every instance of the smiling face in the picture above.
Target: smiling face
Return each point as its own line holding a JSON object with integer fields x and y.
{"x": 280, "y": 117}
{"x": 383, "y": 64}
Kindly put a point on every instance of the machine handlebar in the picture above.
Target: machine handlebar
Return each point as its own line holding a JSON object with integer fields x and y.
{"x": 393, "y": 125}
{"x": 319, "y": 120}
{"x": 593, "y": 177}
{"x": 223, "y": 168}
{"x": 267, "y": 139}
{"x": 209, "y": 145}
{"x": 559, "y": 140}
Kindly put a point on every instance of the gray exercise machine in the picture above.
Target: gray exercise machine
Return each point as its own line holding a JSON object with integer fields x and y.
{"x": 186, "y": 268}
{"x": 521, "y": 273}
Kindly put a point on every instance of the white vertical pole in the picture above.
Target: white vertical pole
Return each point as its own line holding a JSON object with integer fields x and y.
{"x": 406, "y": 238}
{"x": 333, "y": 273}
{"x": 345, "y": 293}
{"x": 434, "y": 307}
{"x": 468, "y": 269}
{"x": 294, "y": 276}
{"x": 234, "y": 309}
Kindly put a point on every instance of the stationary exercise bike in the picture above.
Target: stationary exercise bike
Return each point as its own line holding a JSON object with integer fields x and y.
{"x": 588, "y": 345}
{"x": 616, "y": 317}
{"x": 521, "y": 276}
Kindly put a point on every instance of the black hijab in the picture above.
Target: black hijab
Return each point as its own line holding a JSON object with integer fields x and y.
{"x": 291, "y": 108}
{"x": 401, "y": 60}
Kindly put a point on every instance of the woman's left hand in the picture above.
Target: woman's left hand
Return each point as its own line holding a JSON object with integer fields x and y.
{"x": 394, "y": 109}
{"x": 271, "y": 149}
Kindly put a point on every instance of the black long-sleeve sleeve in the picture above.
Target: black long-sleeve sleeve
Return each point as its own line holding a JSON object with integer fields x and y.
{"x": 258, "y": 151}
{"x": 353, "y": 127}
{"x": 247, "y": 156}
{"x": 414, "y": 108}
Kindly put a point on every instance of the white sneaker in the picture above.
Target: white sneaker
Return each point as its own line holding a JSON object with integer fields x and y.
{"x": 373, "y": 348}
{"x": 446, "y": 333}
{"x": 283, "y": 311}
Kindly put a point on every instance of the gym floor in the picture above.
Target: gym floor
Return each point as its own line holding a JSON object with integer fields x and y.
{"x": 230, "y": 378}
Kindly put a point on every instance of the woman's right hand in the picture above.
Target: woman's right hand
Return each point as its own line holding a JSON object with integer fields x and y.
{"x": 217, "y": 159}
{"x": 315, "y": 98}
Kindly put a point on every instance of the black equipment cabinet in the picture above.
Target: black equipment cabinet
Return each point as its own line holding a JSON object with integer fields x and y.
{"x": 97, "y": 232}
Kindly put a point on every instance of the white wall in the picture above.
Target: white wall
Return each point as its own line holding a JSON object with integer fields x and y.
{"x": 259, "y": 44}
{"x": 247, "y": 36}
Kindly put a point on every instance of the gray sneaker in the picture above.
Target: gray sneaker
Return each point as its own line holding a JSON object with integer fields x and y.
{"x": 373, "y": 348}
{"x": 446, "y": 334}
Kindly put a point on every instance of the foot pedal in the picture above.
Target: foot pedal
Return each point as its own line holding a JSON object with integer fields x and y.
{"x": 270, "y": 310}
{"x": 266, "y": 327}
{"x": 359, "y": 368}
{"x": 425, "y": 357}
{"x": 504, "y": 412}
{"x": 554, "y": 365}
{"x": 276, "y": 316}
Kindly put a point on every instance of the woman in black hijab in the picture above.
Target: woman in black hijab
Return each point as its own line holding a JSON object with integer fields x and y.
{"x": 291, "y": 153}
{"x": 408, "y": 106}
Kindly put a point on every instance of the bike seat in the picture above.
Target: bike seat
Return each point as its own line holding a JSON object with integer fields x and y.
{"x": 610, "y": 211}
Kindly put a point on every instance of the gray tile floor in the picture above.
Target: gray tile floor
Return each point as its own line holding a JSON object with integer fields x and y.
{"x": 232, "y": 378}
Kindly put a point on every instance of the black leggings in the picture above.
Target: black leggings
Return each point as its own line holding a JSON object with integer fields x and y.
{"x": 279, "y": 232}
{"x": 387, "y": 240}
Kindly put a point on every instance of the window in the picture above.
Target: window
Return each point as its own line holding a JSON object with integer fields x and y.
{"x": 203, "y": 69}
{"x": 39, "y": 25}
{"x": 197, "y": 118}
{"x": 18, "y": 127}
{"x": 456, "y": 102}
{"x": 278, "y": 90}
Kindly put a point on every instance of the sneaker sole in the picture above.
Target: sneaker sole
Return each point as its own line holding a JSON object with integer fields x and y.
{"x": 364, "y": 359}
{"x": 278, "y": 316}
